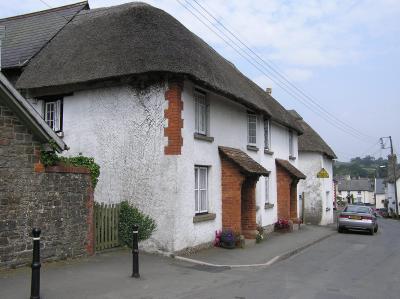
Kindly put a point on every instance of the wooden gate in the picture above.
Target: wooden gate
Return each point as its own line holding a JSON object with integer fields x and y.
{"x": 106, "y": 225}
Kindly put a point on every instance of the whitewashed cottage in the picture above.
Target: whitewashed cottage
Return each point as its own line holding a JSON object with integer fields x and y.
{"x": 176, "y": 128}
{"x": 316, "y": 162}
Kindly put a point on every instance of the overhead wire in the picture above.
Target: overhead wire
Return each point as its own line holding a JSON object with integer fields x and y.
{"x": 280, "y": 74}
{"x": 279, "y": 81}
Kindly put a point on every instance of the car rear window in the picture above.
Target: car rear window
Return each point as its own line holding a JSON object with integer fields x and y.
{"x": 356, "y": 209}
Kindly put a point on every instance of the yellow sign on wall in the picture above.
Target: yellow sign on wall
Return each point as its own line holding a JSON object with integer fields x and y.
{"x": 323, "y": 174}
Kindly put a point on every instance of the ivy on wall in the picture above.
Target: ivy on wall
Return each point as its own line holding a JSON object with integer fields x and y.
{"x": 49, "y": 157}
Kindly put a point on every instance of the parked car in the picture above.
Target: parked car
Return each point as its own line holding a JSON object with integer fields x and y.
{"x": 383, "y": 212}
{"x": 356, "y": 217}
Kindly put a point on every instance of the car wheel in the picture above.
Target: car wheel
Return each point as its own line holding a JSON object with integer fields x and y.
{"x": 340, "y": 229}
{"x": 371, "y": 231}
{"x": 376, "y": 229}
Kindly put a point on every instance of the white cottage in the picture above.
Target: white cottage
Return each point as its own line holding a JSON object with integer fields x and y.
{"x": 316, "y": 162}
{"x": 176, "y": 128}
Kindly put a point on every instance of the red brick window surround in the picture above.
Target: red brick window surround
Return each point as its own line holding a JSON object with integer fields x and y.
{"x": 173, "y": 114}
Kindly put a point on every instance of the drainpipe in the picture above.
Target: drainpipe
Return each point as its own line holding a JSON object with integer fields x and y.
{"x": 2, "y": 36}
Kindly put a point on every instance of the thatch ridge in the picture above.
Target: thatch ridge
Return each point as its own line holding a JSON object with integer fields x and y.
{"x": 136, "y": 38}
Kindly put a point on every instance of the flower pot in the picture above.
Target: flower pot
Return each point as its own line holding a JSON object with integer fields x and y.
{"x": 228, "y": 245}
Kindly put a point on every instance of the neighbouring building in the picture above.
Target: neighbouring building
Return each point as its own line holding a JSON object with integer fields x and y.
{"x": 391, "y": 199}
{"x": 357, "y": 190}
{"x": 58, "y": 200}
{"x": 29, "y": 33}
{"x": 380, "y": 193}
{"x": 316, "y": 162}
{"x": 176, "y": 128}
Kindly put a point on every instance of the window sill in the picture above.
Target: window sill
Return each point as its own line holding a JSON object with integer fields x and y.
{"x": 60, "y": 134}
{"x": 268, "y": 152}
{"x": 252, "y": 148}
{"x": 292, "y": 158}
{"x": 268, "y": 206}
{"x": 203, "y": 137}
{"x": 203, "y": 217}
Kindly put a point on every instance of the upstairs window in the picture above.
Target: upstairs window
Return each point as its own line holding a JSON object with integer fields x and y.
{"x": 251, "y": 128}
{"x": 53, "y": 114}
{"x": 201, "y": 118}
{"x": 291, "y": 150}
{"x": 201, "y": 189}
{"x": 267, "y": 134}
{"x": 267, "y": 196}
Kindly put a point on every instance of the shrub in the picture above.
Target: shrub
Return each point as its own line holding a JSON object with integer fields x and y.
{"x": 128, "y": 216}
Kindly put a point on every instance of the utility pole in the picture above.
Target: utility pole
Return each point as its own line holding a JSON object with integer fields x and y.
{"x": 394, "y": 165}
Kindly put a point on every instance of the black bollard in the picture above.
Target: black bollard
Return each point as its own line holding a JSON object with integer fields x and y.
{"x": 135, "y": 252}
{"x": 35, "y": 283}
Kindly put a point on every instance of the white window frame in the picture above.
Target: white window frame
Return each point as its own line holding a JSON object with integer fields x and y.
{"x": 267, "y": 190}
{"x": 251, "y": 119}
{"x": 291, "y": 149}
{"x": 201, "y": 207}
{"x": 201, "y": 112}
{"x": 53, "y": 117}
{"x": 267, "y": 134}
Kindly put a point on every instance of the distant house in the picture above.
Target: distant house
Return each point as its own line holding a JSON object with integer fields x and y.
{"x": 175, "y": 127}
{"x": 357, "y": 190}
{"x": 316, "y": 162}
{"x": 380, "y": 193}
{"x": 391, "y": 199}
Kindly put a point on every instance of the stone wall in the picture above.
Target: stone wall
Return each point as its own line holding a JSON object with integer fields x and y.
{"x": 57, "y": 200}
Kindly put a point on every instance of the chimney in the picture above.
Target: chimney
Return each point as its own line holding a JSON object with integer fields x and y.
{"x": 2, "y": 36}
{"x": 269, "y": 90}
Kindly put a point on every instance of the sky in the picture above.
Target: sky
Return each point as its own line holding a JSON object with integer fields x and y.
{"x": 335, "y": 62}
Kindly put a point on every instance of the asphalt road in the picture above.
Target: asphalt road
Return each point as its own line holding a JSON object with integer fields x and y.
{"x": 344, "y": 266}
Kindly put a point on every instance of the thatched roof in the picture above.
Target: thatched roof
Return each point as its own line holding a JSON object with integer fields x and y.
{"x": 311, "y": 141}
{"x": 293, "y": 171}
{"x": 243, "y": 161}
{"x": 27, "y": 34}
{"x": 135, "y": 39}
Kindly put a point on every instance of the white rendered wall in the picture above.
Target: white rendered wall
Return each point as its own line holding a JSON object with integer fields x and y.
{"x": 123, "y": 130}
{"x": 380, "y": 201}
{"x": 391, "y": 197}
{"x": 318, "y": 192}
{"x": 228, "y": 126}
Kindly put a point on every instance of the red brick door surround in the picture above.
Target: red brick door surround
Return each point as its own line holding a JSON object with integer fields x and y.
{"x": 286, "y": 194}
{"x": 238, "y": 200}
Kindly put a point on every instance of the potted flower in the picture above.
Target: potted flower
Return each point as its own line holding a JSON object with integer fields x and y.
{"x": 227, "y": 239}
{"x": 282, "y": 225}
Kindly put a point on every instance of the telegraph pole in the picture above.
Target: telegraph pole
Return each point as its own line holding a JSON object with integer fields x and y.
{"x": 394, "y": 165}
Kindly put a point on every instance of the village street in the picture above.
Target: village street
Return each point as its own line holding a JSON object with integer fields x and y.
{"x": 351, "y": 265}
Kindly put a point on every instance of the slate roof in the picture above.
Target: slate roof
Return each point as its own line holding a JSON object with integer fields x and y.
{"x": 311, "y": 141}
{"x": 291, "y": 169}
{"x": 28, "y": 115}
{"x": 136, "y": 38}
{"x": 356, "y": 185}
{"x": 27, "y": 34}
{"x": 380, "y": 186}
{"x": 243, "y": 161}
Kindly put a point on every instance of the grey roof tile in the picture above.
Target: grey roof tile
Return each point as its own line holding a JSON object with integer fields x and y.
{"x": 27, "y": 34}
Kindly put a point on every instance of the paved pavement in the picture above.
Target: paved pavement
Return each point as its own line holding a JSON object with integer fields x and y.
{"x": 276, "y": 246}
{"x": 342, "y": 266}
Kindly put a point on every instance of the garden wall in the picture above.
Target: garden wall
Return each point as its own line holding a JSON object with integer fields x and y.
{"x": 58, "y": 199}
